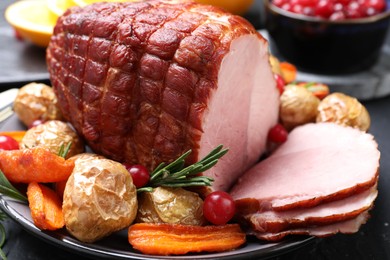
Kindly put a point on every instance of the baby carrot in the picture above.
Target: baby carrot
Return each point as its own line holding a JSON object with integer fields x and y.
{"x": 45, "y": 207}
{"x": 174, "y": 239}
{"x": 35, "y": 164}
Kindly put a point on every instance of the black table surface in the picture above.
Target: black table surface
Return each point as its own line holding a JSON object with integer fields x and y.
{"x": 371, "y": 242}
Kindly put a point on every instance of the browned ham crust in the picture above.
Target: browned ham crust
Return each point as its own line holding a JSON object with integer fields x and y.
{"x": 143, "y": 82}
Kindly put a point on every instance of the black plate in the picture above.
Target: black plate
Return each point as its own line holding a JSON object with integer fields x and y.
{"x": 117, "y": 245}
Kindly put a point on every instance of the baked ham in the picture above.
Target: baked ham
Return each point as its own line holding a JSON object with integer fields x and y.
{"x": 325, "y": 213}
{"x": 143, "y": 82}
{"x": 319, "y": 163}
{"x": 322, "y": 181}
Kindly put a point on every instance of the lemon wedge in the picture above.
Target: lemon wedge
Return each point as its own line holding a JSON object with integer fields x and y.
{"x": 58, "y": 7}
{"x": 32, "y": 20}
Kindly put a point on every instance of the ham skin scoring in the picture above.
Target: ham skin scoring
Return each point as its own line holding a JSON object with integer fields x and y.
{"x": 144, "y": 82}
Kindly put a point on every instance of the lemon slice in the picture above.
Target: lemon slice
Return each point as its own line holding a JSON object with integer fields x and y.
{"x": 58, "y": 7}
{"x": 32, "y": 20}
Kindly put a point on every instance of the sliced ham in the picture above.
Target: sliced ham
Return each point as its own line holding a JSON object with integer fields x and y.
{"x": 145, "y": 81}
{"x": 319, "y": 163}
{"x": 345, "y": 227}
{"x": 323, "y": 214}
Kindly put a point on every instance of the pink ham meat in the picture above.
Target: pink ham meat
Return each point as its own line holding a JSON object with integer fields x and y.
{"x": 346, "y": 227}
{"x": 319, "y": 163}
{"x": 323, "y": 214}
{"x": 144, "y": 82}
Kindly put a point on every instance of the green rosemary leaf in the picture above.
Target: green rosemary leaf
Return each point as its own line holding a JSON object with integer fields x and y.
{"x": 175, "y": 174}
{"x": 64, "y": 150}
{"x": 7, "y": 189}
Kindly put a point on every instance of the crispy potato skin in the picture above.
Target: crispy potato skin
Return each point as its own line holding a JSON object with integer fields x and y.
{"x": 36, "y": 101}
{"x": 171, "y": 205}
{"x": 99, "y": 199}
{"x": 52, "y": 134}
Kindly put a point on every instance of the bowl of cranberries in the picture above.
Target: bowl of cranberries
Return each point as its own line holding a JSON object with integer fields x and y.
{"x": 328, "y": 36}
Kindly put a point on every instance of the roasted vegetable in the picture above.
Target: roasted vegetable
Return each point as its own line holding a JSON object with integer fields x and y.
{"x": 52, "y": 135}
{"x": 36, "y": 101}
{"x": 99, "y": 199}
{"x": 170, "y": 239}
{"x": 298, "y": 106}
{"x": 170, "y": 205}
{"x": 45, "y": 207}
{"x": 36, "y": 164}
{"x": 344, "y": 110}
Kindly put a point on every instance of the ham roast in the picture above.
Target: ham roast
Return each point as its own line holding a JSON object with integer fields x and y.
{"x": 322, "y": 181}
{"x": 143, "y": 82}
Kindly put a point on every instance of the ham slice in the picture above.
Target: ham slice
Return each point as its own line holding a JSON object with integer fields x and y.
{"x": 345, "y": 227}
{"x": 319, "y": 163}
{"x": 341, "y": 210}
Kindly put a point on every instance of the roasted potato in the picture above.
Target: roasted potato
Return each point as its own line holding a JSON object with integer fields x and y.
{"x": 170, "y": 205}
{"x": 52, "y": 134}
{"x": 99, "y": 199}
{"x": 36, "y": 101}
{"x": 344, "y": 110}
{"x": 298, "y": 106}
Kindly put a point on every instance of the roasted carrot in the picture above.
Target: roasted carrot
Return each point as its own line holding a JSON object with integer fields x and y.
{"x": 17, "y": 135}
{"x": 289, "y": 72}
{"x": 174, "y": 239}
{"x": 45, "y": 207}
{"x": 34, "y": 164}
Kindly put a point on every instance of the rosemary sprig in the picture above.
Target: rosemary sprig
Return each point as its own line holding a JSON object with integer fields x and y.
{"x": 176, "y": 175}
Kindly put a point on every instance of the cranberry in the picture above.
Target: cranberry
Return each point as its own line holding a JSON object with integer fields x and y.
{"x": 337, "y": 16}
{"x": 219, "y": 207}
{"x": 8, "y": 143}
{"x": 324, "y": 8}
{"x": 279, "y": 3}
{"x": 278, "y": 134}
{"x": 139, "y": 174}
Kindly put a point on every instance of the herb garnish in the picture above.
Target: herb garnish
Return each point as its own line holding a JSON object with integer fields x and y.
{"x": 64, "y": 150}
{"x": 175, "y": 175}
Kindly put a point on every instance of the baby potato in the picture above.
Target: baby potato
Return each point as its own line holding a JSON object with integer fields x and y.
{"x": 298, "y": 106}
{"x": 99, "y": 199}
{"x": 36, "y": 101}
{"x": 344, "y": 110}
{"x": 170, "y": 205}
{"x": 51, "y": 135}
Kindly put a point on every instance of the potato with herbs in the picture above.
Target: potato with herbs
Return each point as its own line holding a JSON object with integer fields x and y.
{"x": 298, "y": 106}
{"x": 99, "y": 199}
{"x": 36, "y": 101}
{"x": 170, "y": 205}
{"x": 344, "y": 110}
{"x": 52, "y": 135}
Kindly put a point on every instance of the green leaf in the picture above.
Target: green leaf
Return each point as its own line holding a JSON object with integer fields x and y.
{"x": 176, "y": 174}
{"x": 64, "y": 150}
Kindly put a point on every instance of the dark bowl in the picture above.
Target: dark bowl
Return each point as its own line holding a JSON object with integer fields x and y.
{"x": 326, "y": 47}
